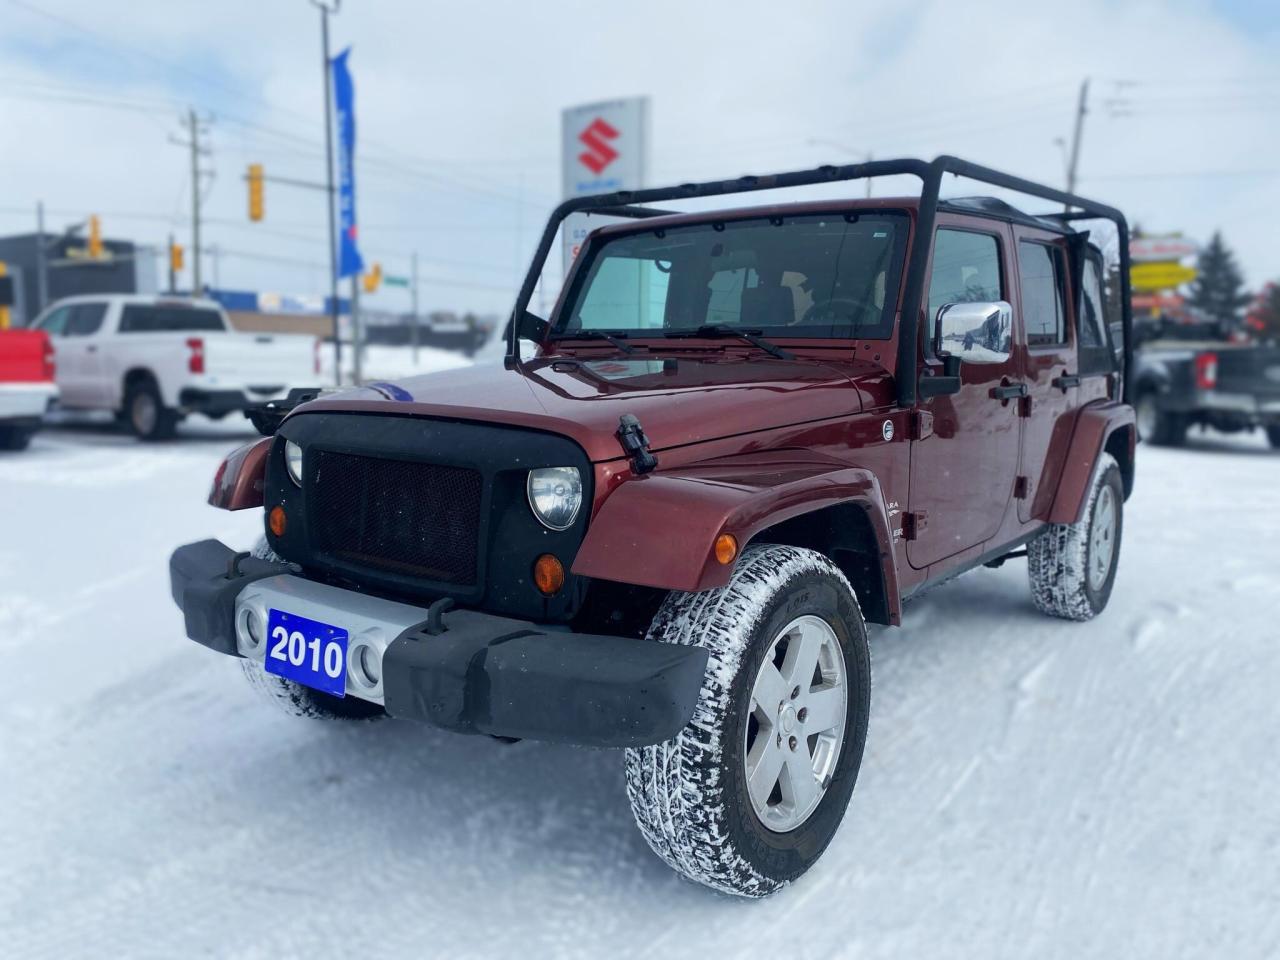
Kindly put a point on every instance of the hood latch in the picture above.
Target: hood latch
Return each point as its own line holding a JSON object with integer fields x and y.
{"x": 635, "y": 444}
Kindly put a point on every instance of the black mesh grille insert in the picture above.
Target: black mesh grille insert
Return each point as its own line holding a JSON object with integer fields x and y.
{"x": 413, "y": 519}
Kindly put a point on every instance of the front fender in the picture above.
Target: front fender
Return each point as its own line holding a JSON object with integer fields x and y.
{"x": 660, "y": 530}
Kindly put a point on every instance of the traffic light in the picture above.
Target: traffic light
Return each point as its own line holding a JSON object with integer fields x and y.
{"x": 175, "y": 257}
{"x": 255, "y": 191}
{"x": 95, "y": 238}
{"x": 373, "y": 278}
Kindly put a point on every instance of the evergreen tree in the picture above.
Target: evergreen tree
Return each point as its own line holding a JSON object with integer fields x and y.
{"x": 1218, "y": 290}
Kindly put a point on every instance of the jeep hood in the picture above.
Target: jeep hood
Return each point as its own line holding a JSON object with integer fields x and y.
{"x": 678, "y": 402}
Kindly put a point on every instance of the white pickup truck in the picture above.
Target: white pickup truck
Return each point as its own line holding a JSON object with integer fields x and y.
{"x": 154, "y": 359}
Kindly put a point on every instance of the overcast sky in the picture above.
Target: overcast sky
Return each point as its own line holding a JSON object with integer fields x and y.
{"x": 458, "y": 112}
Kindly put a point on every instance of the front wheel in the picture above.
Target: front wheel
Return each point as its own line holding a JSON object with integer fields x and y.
{"x": 1073, "y": 565}
{"x": 748, "y": 795}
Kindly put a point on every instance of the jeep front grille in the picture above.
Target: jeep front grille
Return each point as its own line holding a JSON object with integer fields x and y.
{"x": 399, "y": 516}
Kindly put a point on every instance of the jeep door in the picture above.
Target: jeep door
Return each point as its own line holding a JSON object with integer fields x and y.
{"x": 1044, "y": 314}
{"x": 962, "y": 475}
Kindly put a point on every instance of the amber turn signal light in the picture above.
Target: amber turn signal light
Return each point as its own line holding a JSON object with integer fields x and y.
{"x": 276, "y": 520}
{"x": 726, "y": 548}
{"x": 548, "y": 575}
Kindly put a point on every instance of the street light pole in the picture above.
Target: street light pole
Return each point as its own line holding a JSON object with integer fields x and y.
{"x": 325, "y": 10}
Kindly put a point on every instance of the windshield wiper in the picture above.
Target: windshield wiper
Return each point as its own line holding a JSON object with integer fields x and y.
{"x": 615, "y": 339}
{"x": 752, "y": 337}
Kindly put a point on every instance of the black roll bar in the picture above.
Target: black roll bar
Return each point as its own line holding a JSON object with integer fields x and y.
{"x": 626, "y": 203}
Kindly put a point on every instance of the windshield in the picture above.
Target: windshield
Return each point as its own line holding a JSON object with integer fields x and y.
{"x": 822, "y": 276}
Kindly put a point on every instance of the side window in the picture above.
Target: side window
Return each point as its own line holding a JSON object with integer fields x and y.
{"x": 626, "y": 294}
{"x": 1043, "y": 310}
{"x": 966, "y": 269}
{"x": 1092, "y": 313}
{"x": 86, "y": 319}
{"x": 55, "y": 324}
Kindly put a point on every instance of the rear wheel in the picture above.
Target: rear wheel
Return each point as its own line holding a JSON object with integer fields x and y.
{"x": 1273, "y": 436}
{"x": 14, "y": 438}
{"x": 1073, "y": 565}
{"x": 145, "y": 412}
{"x": 294, "y": 698}
{"x": 748, "y": 795}
{"x": 1161, "y": 427}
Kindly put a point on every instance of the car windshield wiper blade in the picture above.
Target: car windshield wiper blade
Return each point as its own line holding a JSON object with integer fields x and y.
{"x": 614, "y": 338}
{"x": 724, "y": 330}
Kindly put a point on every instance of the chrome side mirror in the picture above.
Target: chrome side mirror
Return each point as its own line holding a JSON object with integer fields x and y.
{"x": 979, "y": 332}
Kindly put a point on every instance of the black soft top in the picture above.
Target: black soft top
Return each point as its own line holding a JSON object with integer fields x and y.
{"x": 999, "y": 210}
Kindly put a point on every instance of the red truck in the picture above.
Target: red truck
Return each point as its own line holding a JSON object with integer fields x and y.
{"x": 27, "y": 387}
{"x": 743, "y": 436}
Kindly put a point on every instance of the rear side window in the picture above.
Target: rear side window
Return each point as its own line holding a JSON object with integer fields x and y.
{"x": 1043, "y": 300}
{"x": 86, "y": 319}
{"x": 138, "y": 318}
{"x": 966, "y": 269}
{"x": 1092, "y": 312}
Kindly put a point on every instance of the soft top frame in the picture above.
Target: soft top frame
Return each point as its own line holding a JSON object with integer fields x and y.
{"x": 629, "y": 203}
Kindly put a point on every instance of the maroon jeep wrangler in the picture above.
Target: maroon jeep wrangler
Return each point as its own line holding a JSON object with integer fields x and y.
{"x": 741, "y": 437}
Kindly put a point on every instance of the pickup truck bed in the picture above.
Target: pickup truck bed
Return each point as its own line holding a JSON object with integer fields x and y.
{"x": 26, "y": 385}
{"x": 1228, "y": 386}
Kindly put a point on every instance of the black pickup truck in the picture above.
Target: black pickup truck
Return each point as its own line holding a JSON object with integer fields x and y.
{"x": 1228, "y": 386}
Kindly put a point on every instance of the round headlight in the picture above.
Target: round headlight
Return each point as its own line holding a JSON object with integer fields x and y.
{"x": 293, "y": 461}
{"x": 555, "y": 495}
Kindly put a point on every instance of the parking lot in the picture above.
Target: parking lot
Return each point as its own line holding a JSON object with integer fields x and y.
{"x": 1031, "y": 787}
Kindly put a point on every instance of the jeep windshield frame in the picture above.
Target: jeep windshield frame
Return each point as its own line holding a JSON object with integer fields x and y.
{"x": 633, "y": 204}
{"x": 831, "y": 275}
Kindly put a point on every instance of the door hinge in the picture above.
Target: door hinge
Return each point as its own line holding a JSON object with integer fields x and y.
{"x": 1025, "y": 405}
{"x": 921, "y": 425}
{"x": 913, "y": 524}
{"x": 1021, "y": 487}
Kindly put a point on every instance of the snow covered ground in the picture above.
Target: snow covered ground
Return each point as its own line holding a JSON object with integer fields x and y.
{"x": 1031, "y": 788}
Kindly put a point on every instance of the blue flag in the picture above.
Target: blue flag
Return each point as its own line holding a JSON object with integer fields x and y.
{"x": 350, "y": 262}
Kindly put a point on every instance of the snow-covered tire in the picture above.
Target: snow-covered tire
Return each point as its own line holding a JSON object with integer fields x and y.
{"x": 1273, "y": 436}
{"x": 294, "y": 698}
{"x": 1072, "y": 566}
{"x": 690, "y": 795}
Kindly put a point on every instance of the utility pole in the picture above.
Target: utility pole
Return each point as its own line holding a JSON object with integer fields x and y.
{"x": 1082, "y": 107}
{"x": 192, "y": 123}
{"x": 413, "y": 305}
{"x": 42, "y": 263}
{"x": 325, "y": 10}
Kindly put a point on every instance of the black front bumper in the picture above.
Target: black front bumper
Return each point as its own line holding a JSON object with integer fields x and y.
{"x": 474, "y": 672}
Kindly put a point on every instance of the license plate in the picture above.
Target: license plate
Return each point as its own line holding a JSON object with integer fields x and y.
{"x": 307, "y": 651}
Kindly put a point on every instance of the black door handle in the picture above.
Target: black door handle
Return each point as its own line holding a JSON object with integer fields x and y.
{"x": 1067, "y": 381}
{"x": 1011, "y": 391}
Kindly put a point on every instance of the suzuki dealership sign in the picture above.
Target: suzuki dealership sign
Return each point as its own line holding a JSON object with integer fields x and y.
{"x": 604, "y": 147}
